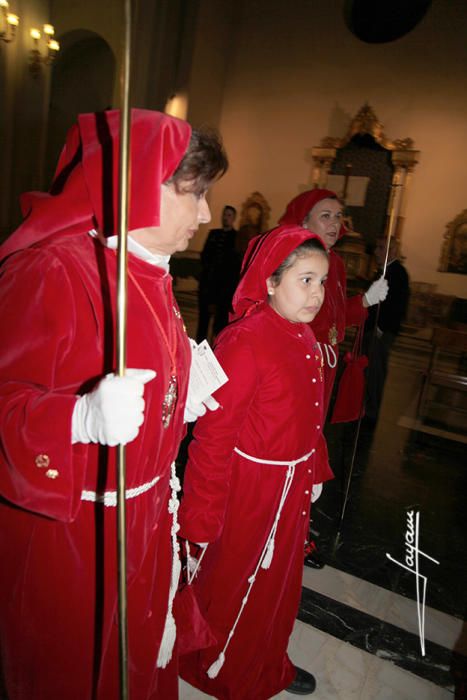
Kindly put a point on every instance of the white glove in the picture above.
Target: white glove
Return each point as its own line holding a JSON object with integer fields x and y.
{"x": 316, "y": 492}
{"x": 377, "y": 292}
{"x": 112, "y": 413}
{"x": 195, "y": 409}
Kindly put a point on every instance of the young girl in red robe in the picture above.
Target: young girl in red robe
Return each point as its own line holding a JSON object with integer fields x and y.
{"x": 251, "y": 471}
{"x": 320, "y": 211}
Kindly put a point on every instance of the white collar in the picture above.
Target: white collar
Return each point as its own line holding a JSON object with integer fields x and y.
{"x": 135, "y": 248}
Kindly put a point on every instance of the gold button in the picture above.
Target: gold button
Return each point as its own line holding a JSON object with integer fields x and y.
{"x": 51, "y": 473}
{"x": 42, "y": 461}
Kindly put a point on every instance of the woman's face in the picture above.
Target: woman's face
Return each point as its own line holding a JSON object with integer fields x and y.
{"x": 300, "y": 293}
{"x": 182, "y": 211}
{"x": 325, "y": 219}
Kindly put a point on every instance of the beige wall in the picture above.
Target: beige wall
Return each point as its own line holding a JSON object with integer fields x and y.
{"x": 25, "y": 99}
{"x": 275, "y": 78}
{"x": 296, "y": 74}
{"x": 161, "y": 63}
{"x": 104, "y": 18}
{"x": 24, "y": 104}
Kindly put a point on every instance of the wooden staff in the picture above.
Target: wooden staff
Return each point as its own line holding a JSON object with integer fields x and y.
{"x": 123, "y": 206}
{"x": 396, "y": 199}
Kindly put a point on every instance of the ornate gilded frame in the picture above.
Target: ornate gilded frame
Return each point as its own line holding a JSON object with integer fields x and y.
{"x": 453, "y": 256}
{"x": 255, "y": 201}
{"x": 403, "y": 155}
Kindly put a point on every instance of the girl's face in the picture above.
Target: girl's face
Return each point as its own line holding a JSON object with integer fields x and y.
{"x": 300, "y": 293}
{"x": 325, "y": 219}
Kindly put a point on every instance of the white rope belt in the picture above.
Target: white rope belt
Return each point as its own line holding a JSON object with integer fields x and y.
{"x": 265, "y": 559}
{"x": 109, "y": 498}
{"x": 329, "y": 353}
{"x": 282, "y": 463}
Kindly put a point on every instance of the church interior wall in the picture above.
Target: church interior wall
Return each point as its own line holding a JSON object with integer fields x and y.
{"x": 275, "y": 79}
{"x": 37, "y": 111}
{"x": 297, "y": 74}
{"x": 214, "y": 44}
{"x": 24, "y": 104}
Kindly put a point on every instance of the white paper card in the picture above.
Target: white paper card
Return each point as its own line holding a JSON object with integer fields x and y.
{"x": 206, "y": 374}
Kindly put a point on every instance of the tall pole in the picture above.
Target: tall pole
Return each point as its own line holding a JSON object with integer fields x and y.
{"x": 124, "y": 179}
{"x": 395, "y": 204}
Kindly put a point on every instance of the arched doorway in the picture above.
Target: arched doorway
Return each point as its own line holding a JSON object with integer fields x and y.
{"x": 82, "y": 81}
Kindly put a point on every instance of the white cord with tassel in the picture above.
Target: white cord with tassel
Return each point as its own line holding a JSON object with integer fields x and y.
{"x": 268, "y": 550}
{"x": 269, "y": 553}
{"x": 330, "y": 353}
{"x": 170, "y": 630}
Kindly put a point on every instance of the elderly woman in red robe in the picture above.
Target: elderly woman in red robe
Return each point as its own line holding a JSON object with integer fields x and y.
{"x": 320, "y": 211}
{"x": 251, "y": 471}
{"x": 62, "y": 408}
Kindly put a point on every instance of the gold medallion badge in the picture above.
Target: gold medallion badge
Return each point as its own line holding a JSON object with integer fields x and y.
{"x": 333, "y": 335}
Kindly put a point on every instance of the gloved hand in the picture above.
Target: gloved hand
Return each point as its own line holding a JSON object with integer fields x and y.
{"x": 316, "y": 492}
{"x": 112, "y": 413}
{"x": 195, "y": 409}
{"x": 377, "y": 292}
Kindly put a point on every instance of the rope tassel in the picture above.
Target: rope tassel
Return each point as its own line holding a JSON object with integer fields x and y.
{"x": 167, "y": 643}
{"x": 214, "y": 668}
{"x": 267, "y": 559}
{"x": 170, "y": 629}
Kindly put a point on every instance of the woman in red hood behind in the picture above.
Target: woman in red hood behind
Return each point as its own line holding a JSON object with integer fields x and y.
{"x": 320, "y": 211}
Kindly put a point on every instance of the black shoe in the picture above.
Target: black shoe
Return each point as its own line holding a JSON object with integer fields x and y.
{"x": 304, "y": 683}
{"x": 314, "y": 561}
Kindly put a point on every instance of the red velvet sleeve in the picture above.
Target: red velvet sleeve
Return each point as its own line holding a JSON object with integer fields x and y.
{"x": 40, "y": 470}
{"x": 355, "y": 312}
{"x": 323, "y": 471}
{"x": 208, "y": 472}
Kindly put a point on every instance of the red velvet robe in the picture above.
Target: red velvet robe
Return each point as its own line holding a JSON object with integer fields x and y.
{"x": 271, "y": 408}
{"x": 58, "y": 586}
{"x": 337, "y": 312}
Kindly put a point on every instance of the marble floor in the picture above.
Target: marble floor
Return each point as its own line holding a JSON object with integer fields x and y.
{"x": 357, "y": 629}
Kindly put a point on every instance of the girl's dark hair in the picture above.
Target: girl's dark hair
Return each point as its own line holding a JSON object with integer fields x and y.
{"x": 311, "y": 245}
{"x": 204, "y": 161}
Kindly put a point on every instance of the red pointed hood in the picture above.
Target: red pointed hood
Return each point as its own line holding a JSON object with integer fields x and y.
{"x": 299, "y": 207}
{"x": 84, "y": 192}
{"x": 263, "y": 256}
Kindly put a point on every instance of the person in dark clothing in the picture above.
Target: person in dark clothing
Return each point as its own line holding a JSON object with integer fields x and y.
{"x": 220, "y": 273}
{"x": 392, "y": 311}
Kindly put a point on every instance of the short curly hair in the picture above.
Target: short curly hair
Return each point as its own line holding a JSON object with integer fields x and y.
{"x": 204, "y": 161}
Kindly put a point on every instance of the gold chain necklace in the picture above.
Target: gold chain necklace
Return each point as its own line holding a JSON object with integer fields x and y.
{"x": 171, "y": 395}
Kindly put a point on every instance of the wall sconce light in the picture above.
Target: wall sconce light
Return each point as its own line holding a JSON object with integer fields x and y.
{"x": 177, "y": 105}
{"x": 37, "y": 59}
{"x": 8, "y": 23}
